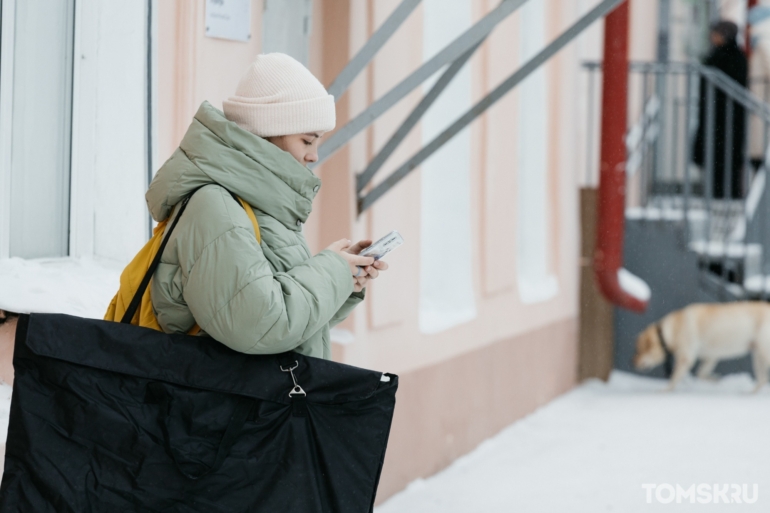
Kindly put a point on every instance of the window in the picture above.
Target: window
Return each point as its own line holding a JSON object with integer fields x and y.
{"x": 38, "y": 100}
{"x": 286, "y": 28}
{"x": 446, "y": 279}
{"x": 535, "y": 282}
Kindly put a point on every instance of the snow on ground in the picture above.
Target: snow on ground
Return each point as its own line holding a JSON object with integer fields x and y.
{"x": 593, "y": 448}
{"x": 75, "y": 286}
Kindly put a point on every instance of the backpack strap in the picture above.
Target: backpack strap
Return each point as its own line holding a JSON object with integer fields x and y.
{"x": 132, "y": 307}
{"x": 137, "y": 299}
{"x": 250, "y": 214}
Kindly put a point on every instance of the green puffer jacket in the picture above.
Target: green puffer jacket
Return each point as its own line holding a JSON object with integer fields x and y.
{"x": 254, "y": 298}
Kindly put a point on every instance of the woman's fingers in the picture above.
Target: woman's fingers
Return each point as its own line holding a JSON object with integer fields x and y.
{"x": 359, "y": 283}
{"x": 360, "y": 260}
{"x": 339, "y": 245}
{"x": 374, "y": 270}
{"x": 358, "y": 246}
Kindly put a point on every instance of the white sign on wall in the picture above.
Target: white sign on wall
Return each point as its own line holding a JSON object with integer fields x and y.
{"x": 228, "y": 19}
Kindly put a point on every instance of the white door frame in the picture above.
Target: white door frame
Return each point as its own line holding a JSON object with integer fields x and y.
{"x": 6, "y": 122}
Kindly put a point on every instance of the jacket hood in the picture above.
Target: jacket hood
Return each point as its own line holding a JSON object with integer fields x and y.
{"x": 217, "y": 151}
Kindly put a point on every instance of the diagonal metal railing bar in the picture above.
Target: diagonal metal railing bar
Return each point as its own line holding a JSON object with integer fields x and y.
{"x": 737, "y": 92}
{"x": 414, "y": 117}
{"x": 372, "y": 46}
{"x": 523, "y": 72}
{"x": 449, "y": 54}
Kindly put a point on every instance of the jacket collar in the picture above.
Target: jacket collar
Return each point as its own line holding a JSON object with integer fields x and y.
{"x": 221, "y": 152}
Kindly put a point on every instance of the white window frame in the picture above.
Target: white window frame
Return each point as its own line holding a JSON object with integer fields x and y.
{"x": 7, "y": 16}
{"x": 85, "y": 106}
{"x": 536, "y": 281}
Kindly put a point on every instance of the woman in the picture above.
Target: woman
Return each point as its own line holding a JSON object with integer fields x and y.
{"x": 727, "y": 57}
{"x": 266, "y": 297}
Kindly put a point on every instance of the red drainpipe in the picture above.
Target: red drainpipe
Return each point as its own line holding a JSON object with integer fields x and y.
{"x": 751, "y": 3}
{"x": 608, "y": 257}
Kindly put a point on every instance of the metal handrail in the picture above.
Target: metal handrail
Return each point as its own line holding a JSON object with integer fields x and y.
{"x": 372, "y": 46}
{"x": 411, "y": 121}
{"x": 456, "y": 54}
{"x": 453, "y": 51}
{"x": 598, "y": 12}
{"x": 716, "y": 76}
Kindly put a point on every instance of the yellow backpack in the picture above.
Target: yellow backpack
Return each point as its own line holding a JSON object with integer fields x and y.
{"x": 132, "y": 304}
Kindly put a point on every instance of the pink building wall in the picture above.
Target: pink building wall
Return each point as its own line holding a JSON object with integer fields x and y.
{"x": 464, "y": 384}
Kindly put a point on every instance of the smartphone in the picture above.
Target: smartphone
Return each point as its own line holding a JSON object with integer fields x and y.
{"x": 383, "y": 246}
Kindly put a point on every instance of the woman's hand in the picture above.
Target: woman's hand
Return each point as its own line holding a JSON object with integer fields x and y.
{"x": 369, "y": 272}
{"x": 357, "y": 263}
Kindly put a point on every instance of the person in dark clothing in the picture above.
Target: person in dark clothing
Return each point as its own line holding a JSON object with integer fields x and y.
{"x": 728, "y": 57}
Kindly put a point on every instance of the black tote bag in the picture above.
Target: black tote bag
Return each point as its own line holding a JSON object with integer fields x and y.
{"x": 114, "y": 417}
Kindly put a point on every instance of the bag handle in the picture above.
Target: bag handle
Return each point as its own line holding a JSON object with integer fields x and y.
{"x": 157, "y": 393}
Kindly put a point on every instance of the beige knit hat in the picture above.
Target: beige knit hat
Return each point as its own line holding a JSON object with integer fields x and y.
{"x": 279, "y": 96}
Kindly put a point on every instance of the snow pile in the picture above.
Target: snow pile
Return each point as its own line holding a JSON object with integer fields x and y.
{"x": 634, "y": 285}
{"x": 82, "y": 287}
{"x": 593, "y": 448}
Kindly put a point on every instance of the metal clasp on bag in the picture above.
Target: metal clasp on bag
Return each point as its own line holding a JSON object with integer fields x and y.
{"x": 297, "y": 390}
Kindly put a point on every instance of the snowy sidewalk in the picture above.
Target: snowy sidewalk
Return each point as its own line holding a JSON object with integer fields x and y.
{"x": 593, "y": 448}
{"x": 75, "y": 286}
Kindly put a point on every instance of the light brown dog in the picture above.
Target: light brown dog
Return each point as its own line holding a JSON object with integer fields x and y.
{"x": 709, "y": 333}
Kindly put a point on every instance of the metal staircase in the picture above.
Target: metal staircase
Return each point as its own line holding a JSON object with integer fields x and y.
{"x": 730, "y": 235}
